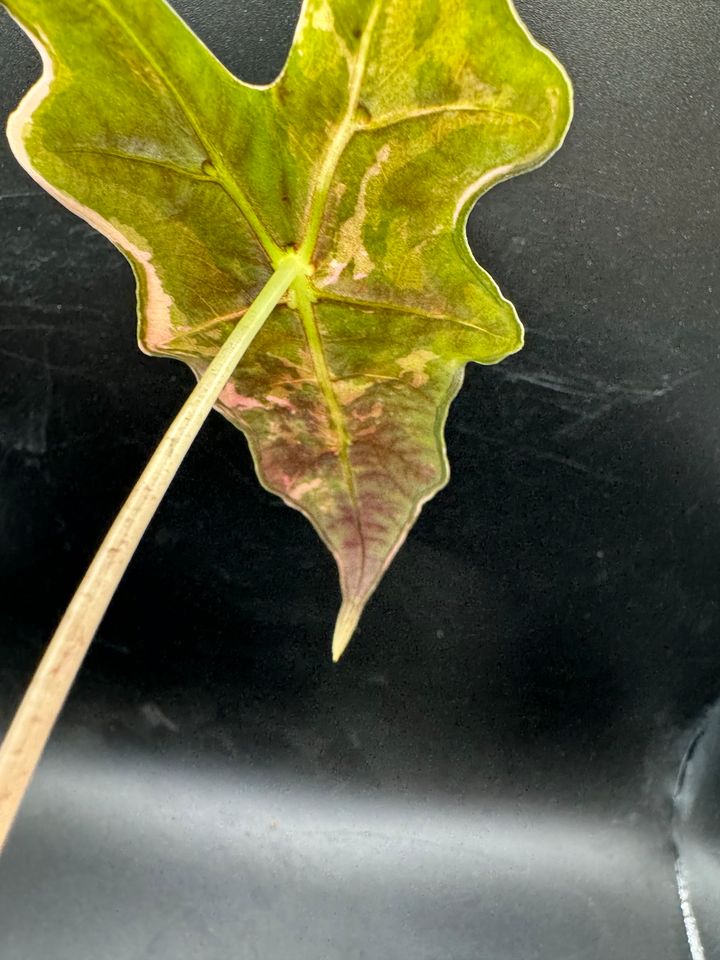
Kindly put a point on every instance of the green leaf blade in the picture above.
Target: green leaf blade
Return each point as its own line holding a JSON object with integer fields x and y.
{"x": 366, "y": 156}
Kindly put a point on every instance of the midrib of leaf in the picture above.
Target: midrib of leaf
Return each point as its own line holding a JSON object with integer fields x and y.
{"x": 306, "y": 311}
{"x": 304, "y": 292}
{"x": 224, "y": 179}
{"x": 341, "y": 139}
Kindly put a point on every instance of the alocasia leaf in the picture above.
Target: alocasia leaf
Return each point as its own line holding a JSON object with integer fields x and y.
{"x": 365, "y": 156}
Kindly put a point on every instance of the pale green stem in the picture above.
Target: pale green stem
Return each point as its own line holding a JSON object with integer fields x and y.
{"x": 35, "y": 718}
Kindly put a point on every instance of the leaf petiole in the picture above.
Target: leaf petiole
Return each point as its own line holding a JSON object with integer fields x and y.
{"x": 35, "y": 718}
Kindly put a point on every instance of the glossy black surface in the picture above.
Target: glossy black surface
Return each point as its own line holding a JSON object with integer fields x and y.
{"x": 491, "y": 773}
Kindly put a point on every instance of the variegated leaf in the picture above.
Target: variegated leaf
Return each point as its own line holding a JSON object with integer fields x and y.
{"x": 365, "y": 156}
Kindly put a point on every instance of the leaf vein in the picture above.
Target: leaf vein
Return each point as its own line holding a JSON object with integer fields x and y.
{"x": 439, "y": 109}
{"x": 324, "y": 295}
{"x": 226, "y": 181}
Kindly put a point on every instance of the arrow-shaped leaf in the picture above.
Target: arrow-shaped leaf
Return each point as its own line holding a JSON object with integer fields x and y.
{"x": 365, "y": 156}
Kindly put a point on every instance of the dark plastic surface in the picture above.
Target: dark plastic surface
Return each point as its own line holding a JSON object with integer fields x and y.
{"x": 495, "y": 770}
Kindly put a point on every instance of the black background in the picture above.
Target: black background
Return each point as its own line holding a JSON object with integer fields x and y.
{"x": 542, "y": 647}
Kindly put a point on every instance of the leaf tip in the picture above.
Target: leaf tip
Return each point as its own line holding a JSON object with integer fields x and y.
{"x": 345, "y": 626}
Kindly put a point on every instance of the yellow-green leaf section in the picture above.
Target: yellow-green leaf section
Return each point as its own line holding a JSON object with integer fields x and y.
{"x": 365, "y": 156}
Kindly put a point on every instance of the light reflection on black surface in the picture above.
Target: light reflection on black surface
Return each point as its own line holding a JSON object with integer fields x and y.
{"x": 119, "y": 856}
{"x": 697, "y": 837}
